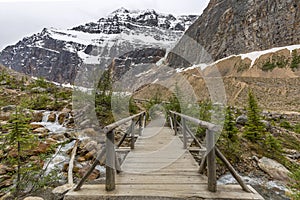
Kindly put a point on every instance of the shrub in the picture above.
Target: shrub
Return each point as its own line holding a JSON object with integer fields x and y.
{"x": 295, "y": 60}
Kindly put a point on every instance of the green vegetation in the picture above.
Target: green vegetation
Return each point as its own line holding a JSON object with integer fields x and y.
{"x": 295, "y": 184}
{"x": 19, "y": 144}
{"x": 275, "y": 61}
{"x": 295, "y": 60}
{"x": 255, "y": 131}
{"x": 230, "y": 130}
{"x": 254, "y": 128}
{"x": 285, "y": 124}
{"x": 20, "y": 141}
{"x": 297, "y": 128}
{"x": 229, "y": 142}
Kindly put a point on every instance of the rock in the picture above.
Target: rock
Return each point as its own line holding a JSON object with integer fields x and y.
{"x": 274, "y": 169}
{"x": 3, "y": 123}
{"x": 66, "y": 167}
{"x": 6, "y": 183}
{"x": 61, "y": 190}
{"x": 38, "y": 90}
{"x": 8, "y": 108}
{"x": 242, "y": 120}
{"x": 81, "y": 159}
{"x": 266, "y": 124}
{"x": 52, "y": 117}
{"x": 51, "y": 141}
{"x": 37, "y": 116}
{"x": 1, "y": 154}
{"x": 5, "y": 169}
{"x": 230, "y": 33}
{"x": 42, "y": 148}
{"x": 36, "y": 126}
{"x": 6, "y": 196}
{"x": 66, "y": 110}
{"x": 40, "y": 130}
{"x": 33, "y": 198}
{"x": 94, "y": 175}
{"x": 62, "y": 117}
{"x": 71, "y": 134}
{"x": 90, "y": 146}
{"x": 58, "y": 137}
{"x": 90, "y": 155}
{"x": 89, "y": 132}
{"x": 4, "y": 116}
{"x": 4, "y": 177}
{"x": 37, "y": 161}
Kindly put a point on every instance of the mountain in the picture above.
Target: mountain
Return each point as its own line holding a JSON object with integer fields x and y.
{"x": 231, "y": 27}
{"x": 121, "y": 40}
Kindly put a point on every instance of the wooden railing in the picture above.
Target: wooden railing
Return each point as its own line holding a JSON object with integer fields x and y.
{"x": 112, "y": 163}
{"x": 209, "y": 159}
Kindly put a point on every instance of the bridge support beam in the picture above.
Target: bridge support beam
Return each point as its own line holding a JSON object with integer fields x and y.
{"x": 211, "y": 161}
{"x": 110, "y": 162}
{"x": 184, "y": 132}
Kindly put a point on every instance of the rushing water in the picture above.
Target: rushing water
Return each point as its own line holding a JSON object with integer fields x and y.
{"x": 270, "y": 190}
{"x": 57, "y": 161}
{"x": 53, "y": 127}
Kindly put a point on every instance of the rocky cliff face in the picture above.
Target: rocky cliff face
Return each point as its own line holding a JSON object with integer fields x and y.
{"x": 121, "y": 40}
{"x": 229, "y": 27}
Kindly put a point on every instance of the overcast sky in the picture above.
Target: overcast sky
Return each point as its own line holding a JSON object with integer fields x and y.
{"x": 19, "y": 18}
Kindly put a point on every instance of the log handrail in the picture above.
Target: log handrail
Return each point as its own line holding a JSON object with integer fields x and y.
{"x": 209, "y": 159}
{"x": 109, "y": 150}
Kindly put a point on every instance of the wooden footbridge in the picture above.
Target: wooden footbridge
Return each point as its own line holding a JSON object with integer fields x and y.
{"x": 160, "y": 165}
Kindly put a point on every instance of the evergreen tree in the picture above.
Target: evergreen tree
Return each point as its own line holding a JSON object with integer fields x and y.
{"x": 230, "y": 130}
{"x": 254, "y": 128}
{"x": 19, "y": 140}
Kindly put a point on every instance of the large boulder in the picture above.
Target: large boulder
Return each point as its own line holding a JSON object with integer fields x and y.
{"x": 274, "y": 169}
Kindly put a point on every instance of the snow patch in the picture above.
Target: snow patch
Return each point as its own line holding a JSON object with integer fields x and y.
{"x": 253, "y": 56}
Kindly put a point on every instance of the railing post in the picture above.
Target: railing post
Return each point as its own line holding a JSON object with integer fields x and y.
{"x": 175, "y": 124}
{"x": 110, "y": 162}
{"x": 140, "y": 125}
{"x": 184, "y": 133}
{"x": 144, "y": 120}
{"x": 171, "y": 121}
{"x": 211, "y": 161}
{"x": 132, "y": 134}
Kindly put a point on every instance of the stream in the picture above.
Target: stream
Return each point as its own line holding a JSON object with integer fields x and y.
{"x": 270, "y": 190}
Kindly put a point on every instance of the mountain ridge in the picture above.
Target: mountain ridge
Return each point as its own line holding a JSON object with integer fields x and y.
{"x": 58, "y": 55}
{"x": 229, "y": 27}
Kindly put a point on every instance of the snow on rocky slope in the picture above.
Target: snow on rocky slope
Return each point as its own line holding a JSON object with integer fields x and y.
{"x": 121, "y": 40}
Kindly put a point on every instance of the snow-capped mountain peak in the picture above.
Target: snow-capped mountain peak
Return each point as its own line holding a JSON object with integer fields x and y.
{"x": 143, "y": 35}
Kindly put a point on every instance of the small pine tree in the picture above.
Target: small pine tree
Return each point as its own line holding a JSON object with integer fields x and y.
{"x": 254, "y": 128}
{"x": 20, "y": 140}
{"x": 228, "y": 141}
{"x": 230, "y": 130}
